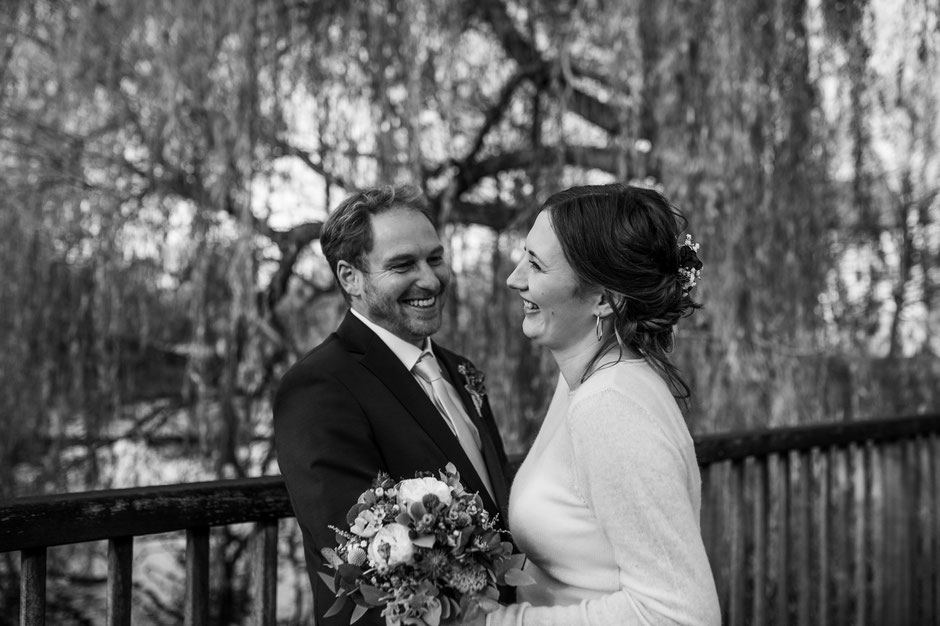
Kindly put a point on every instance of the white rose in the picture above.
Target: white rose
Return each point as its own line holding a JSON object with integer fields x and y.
{"x": 414, "y": 489}
{"x": 391, "y": 546}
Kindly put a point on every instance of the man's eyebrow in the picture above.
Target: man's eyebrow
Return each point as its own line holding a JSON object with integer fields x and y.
{"x": 410, "y": 256}
{"x": 399, "y": 258}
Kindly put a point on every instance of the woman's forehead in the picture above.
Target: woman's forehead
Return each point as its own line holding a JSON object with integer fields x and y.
{"x": 542, "y": 239}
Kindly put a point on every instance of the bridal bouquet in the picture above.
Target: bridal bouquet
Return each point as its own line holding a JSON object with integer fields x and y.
{"x": 422, "y": 548}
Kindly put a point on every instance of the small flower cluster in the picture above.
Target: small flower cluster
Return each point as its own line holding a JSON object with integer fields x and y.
{"x": 474, "y": 386}
{"x": 690, "y": 266}
{"x": 424, "y": 549}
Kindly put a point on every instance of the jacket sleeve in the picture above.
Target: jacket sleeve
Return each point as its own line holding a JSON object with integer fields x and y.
{"x": 328, "y": 456}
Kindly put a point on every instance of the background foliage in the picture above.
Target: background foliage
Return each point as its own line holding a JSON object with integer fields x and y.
{"x": 167, "y": 165}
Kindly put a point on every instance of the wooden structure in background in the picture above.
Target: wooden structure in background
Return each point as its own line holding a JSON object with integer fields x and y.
{"x": 827, "y": 524}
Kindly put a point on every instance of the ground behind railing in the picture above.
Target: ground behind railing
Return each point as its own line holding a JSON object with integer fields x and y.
{"x": 830, "y": 524}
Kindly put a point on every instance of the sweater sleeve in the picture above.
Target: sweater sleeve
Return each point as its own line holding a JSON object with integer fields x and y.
{"x": 632, "y": 474}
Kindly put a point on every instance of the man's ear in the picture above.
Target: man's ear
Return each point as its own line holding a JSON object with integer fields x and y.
{"x": 350, "y": 278}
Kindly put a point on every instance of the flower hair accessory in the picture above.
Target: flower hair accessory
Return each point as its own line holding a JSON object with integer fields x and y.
{"x": 690, "y": 266}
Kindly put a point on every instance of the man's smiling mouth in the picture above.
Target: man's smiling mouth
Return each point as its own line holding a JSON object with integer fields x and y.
{"x": 423, "y": 303}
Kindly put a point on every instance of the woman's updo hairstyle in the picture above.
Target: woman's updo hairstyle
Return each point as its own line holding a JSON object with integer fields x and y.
{"x": 624, "y": 239}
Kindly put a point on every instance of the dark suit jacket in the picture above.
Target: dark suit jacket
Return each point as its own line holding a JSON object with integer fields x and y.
{"x": 349, "y": 409}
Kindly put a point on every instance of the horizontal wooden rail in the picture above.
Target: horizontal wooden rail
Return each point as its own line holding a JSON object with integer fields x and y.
{"x": 37, "y": 522}
{"x": 760, "y": 443}
{"x": 41, "y": 521}
{"x": 792, "y": 516}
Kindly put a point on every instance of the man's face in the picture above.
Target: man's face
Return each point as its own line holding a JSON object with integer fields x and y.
{"x": 405, "y": 277}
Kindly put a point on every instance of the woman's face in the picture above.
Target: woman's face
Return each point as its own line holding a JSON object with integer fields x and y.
{"x": 556, "y": 314}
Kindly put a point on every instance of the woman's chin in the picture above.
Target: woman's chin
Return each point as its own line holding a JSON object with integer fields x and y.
{"x": 531, "y": 330}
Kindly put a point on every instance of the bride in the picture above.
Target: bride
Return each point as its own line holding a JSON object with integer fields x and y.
{"x": 607, "y": 502}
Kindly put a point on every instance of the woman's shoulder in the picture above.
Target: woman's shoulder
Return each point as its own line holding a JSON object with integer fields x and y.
{"x": 634, "y": 380}
{"x": 625, "y": 395}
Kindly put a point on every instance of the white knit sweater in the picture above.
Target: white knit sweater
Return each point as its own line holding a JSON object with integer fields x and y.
{"x": 606, "y": 506}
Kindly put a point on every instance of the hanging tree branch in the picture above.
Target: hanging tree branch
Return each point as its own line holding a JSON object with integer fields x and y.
{"x": 519, "y": 48}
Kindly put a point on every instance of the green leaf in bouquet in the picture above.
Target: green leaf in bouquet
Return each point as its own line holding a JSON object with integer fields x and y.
{"x": 449, "y": 608}
{"x": 328, "y": 580}
{"x": 336, "y": 607}
{"x": 487, "y": 604}
{"x": 517, "y": 578}
{"x": 516, "y": 561}
{"x": 357, "y": 613}
{"x": 469, "y": 607}
{"x": 491, "y": 539}
{"x": 424, "y": 541}
{"x": 349, "y": 572}
{"x": 329, "y": 555}
{"x": 491, "y": 593}
{"x": 371, "y": 595}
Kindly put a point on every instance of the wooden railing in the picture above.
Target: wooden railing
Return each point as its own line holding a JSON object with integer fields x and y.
{"x": 827, "y": 524}
{"x": 31, "y": 525}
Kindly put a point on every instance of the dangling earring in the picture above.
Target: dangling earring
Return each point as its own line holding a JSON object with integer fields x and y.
{"x": 598, "y": 331}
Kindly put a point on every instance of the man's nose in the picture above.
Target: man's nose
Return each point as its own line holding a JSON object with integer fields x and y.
{"x": 428, "y": 277}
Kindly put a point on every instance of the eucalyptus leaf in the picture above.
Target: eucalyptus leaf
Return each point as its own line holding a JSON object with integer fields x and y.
{"x": 518, "y": 578}
{"x": 357, "y": 613}
{"x": 349, "y": 572}
{"x": 370, "y": 594}
{"x": 328, "y": 581}
{"x": 336, "y": 607}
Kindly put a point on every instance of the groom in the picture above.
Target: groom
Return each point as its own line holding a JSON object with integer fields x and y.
{"x": 378, "y": 394}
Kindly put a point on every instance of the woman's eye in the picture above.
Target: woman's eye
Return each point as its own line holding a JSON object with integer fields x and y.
{"x": 535, "y": 266}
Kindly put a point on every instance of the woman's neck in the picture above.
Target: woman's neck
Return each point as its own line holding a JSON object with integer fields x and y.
{"x": 574, "y": 361}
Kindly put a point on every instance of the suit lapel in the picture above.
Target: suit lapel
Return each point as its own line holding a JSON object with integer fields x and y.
{"x": 382, "y": 362}
{"x": 490, "y": 455}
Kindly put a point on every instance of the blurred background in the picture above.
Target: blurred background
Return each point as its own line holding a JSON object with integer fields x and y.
{"x": 166, "y": 166}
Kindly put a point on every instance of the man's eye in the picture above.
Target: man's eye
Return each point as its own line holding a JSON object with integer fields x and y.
{"x": 435, "y": 260}
{"x": 535, "y": 266}
{"x": 402, "y": 267}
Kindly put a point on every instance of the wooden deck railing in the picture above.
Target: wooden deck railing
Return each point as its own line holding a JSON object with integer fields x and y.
{"x": 827, "y": 524}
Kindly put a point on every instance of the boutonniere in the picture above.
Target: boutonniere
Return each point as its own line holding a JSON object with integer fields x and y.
{"x": 473, "y": 379}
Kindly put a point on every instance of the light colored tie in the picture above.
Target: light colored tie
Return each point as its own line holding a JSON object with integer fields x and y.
{"x": 429, "y": 370}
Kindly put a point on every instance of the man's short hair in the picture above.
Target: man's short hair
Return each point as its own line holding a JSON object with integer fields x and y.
{"x": 347, "y": 232}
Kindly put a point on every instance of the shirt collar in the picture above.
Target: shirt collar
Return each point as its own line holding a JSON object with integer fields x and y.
{"x": 406, "y": 352}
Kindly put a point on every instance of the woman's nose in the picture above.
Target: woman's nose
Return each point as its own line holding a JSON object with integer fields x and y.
{"x": 517, "y": 279}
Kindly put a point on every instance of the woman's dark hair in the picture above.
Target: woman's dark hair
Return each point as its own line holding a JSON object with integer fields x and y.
{"x": 624, "y": 239}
